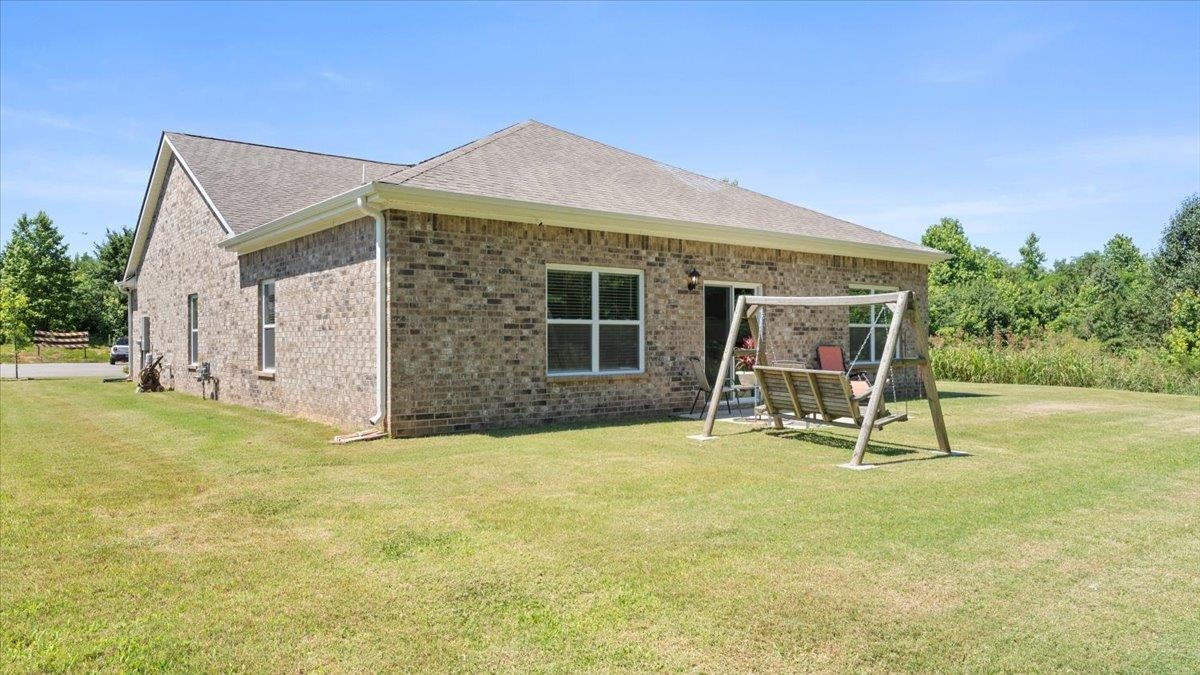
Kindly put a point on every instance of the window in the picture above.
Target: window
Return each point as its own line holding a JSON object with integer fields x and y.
{"x": 869, "y": 326}
{"x": 594, "y": 320}
{"x": 193, "y": 331}
{"x": 266, "y": 314}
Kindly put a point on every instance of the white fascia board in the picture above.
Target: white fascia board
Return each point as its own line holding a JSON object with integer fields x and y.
{"x": 203, "y": 193}
{"x": 149, "y": 202}
{"x": 341, "y": 208}
{"x": 323, "y": 215}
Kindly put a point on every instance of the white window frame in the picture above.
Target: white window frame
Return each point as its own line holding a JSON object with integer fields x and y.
{"x": 870, "y": 353}
{"x": 193, "y": 312}
{"x": 595, "y": 322}
{"x": 263, "y": 326}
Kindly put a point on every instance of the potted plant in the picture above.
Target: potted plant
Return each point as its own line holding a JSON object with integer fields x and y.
{"x": 744, "y": 373}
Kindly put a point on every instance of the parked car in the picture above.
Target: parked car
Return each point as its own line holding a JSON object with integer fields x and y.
{"x": 119, "y": 351}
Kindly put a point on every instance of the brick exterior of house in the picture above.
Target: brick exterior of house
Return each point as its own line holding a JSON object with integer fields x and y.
{"x": 468, "y": 327}
{"x": 325, "y": 289}
{"x": 467, "y": 312}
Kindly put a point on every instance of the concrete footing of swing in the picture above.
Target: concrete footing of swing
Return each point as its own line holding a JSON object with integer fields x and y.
{"x": 702, "y": 437}
{"x": 858, "y": 467}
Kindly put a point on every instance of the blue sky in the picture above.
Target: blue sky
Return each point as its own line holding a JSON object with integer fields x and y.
{"x": 1076, "y": 121}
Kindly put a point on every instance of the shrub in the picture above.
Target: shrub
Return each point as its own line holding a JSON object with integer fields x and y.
{"x": 1062, "y": 360}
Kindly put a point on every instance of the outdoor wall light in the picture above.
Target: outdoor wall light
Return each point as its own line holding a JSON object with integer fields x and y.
{"x": 693, "y": 279}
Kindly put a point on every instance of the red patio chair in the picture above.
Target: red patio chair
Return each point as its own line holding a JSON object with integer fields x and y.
{"x": 832, "y": 357}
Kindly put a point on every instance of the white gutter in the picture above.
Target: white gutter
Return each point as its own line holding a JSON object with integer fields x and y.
{"x": 340, "y": 208}
{"x": 313, "y": 218}
{"x": 381, "y": 339}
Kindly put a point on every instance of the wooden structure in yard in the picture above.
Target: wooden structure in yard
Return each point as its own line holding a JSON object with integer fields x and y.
{"x": 825, "y": 396}
{"x": 72, "y": 340}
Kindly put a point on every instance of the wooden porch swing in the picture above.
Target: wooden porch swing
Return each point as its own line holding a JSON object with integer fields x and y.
{"x": 826, "y": 396}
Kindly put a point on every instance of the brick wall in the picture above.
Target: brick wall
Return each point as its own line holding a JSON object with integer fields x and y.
{"x": 468, "y": 329}
{"x": 325, "y": 342}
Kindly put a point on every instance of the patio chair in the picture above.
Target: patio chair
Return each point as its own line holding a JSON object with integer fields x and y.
{"x": 703, "y": 386}
{"x": 831, "y": 357}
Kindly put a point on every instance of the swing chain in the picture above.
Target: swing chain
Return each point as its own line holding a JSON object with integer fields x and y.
{"x": 858, "y": 355}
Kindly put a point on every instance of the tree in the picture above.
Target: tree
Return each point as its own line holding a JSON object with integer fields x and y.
{"x": 1177, "y": 262}
{"x": 1117, "y": 300}
{"x": 1032, "y": 257}
{"x": 112, "y": 253}
{"x": 964, "y": 292}
{"x": 14, "y": 322}
{"x": 35, "y": 265}
{"x": 99, "y": 307}
{"x": 1183, "y": 339}
{"x": 948, "y": 235}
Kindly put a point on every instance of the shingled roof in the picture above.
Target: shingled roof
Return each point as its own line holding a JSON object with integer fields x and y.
{"x": 253, "y": 184}
{"x": 535, "y": 162}
{"x": 531, "y": 165}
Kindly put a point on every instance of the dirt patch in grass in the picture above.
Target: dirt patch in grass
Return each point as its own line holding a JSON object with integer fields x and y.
{"x": 1061, "y": 407}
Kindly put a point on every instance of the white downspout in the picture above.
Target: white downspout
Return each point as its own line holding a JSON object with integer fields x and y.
{"x": 381, "y": 346}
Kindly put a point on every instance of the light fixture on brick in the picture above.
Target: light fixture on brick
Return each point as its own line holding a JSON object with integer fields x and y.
{"x": 693, "y": 279}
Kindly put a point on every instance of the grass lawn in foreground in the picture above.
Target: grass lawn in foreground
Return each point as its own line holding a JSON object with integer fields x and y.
{"x": 169, "y": 532}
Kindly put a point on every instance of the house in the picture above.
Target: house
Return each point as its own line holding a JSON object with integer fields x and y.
{"x": 530, "y": 276}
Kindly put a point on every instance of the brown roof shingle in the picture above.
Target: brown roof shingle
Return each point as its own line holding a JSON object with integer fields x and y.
{"x": 534, "y": 162}
{"x": 255, "y": 184}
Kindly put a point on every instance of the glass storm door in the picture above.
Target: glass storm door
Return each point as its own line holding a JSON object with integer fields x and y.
{"x": 719, "y": 300}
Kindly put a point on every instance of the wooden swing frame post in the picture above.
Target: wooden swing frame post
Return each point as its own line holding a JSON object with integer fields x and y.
{"x": 903, "y": 310}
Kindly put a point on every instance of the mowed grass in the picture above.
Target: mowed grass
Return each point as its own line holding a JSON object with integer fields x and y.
{"x": 30, "y": 354}
{"x": 165, "y": 532}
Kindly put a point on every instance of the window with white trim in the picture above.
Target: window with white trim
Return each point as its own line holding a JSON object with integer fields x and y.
{"x": 869, "y": 326}
{"x": 266, "y": 333}
{"x": 594, "y": 320}
{"x": 193, "y": 330}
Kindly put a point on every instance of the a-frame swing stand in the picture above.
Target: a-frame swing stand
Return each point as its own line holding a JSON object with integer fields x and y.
{"x": 824, "y": 396}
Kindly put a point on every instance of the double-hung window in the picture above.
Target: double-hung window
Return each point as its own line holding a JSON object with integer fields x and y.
{"x": 869, "y": 326}
{"x": 266, "y": 333}
{"x": 193, "y": 330}
{"x": 595, "y": 320}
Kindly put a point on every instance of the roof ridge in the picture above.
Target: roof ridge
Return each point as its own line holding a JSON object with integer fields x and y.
{"x": 421, "y": 167}
{"x": 280, "y": 147}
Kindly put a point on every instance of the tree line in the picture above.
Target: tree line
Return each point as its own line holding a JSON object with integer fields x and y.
{"x": 44, "y": 288}
{"x": 1118, "y": 296}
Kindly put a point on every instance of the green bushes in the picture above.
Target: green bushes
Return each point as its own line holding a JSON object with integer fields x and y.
{"x": 1063, "y": 360}
{"x": 1114, "y": 318}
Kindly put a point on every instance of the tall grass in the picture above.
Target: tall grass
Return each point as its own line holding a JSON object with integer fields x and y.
{"x": 1056, "y": 359}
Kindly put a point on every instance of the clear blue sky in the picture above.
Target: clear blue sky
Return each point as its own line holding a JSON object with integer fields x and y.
{"x": 1076, "y": 121}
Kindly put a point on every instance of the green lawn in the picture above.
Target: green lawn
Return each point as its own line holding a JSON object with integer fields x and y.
{"x": 54, "y": 355}
{"x": 147, "y": 532}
